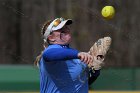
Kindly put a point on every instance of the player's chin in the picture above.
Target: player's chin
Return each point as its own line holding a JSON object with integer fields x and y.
{"x": 68, "y": 40}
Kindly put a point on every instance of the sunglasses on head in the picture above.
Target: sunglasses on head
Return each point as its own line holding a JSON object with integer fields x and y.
{"x": 57, "y": 21}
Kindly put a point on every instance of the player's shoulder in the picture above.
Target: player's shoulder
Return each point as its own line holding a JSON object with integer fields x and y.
{"x": 53, "y": 46}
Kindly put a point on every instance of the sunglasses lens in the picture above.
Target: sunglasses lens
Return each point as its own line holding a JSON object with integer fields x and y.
{"x": 62, "y": 19}
{"x": 57, "y": 22}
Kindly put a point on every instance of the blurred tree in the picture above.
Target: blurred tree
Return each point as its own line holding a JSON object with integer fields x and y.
{"x": 21, "y": 22}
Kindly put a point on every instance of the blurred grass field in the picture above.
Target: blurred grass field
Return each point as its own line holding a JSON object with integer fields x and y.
{"x": 25, "y": 79}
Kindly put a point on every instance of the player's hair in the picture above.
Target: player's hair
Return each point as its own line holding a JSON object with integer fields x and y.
{"x": 44, "y": 27}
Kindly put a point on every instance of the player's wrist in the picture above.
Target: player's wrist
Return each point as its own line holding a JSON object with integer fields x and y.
{"x": 85, "y": 57}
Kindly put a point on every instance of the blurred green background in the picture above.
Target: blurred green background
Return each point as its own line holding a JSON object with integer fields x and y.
{"x": 26, "y": 78}
{"x": 20, "y": 40}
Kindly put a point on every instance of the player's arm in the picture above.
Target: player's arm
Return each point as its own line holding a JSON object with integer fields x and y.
{"x": 93, "y": 75}
{"x": 59, "y": 54}
{"x": 56, "y": 54}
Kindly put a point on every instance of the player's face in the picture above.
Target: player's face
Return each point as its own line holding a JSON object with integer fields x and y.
{"x": 62, "y": 36}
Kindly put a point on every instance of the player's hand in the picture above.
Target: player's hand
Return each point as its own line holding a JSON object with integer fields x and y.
{"x": 85, "y": 57}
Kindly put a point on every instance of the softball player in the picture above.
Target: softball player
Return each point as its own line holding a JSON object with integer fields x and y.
{"x": 63, "y": 69}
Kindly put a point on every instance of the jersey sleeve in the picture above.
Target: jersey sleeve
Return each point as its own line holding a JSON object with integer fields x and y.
{"x": 59, "y": 54}
{"x": 93, "y": 75}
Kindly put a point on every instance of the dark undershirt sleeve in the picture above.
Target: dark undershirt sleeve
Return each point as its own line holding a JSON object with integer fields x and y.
{"x": 93, "y": 75}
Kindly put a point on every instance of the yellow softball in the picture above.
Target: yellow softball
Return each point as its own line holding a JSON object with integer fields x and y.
{"x": 108, "y": 12}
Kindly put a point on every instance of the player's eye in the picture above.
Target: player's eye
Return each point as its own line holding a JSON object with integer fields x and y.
{"x": 63, "y": 32}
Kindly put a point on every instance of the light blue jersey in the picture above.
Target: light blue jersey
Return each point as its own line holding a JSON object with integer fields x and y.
{"x": 62, "y": 72}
